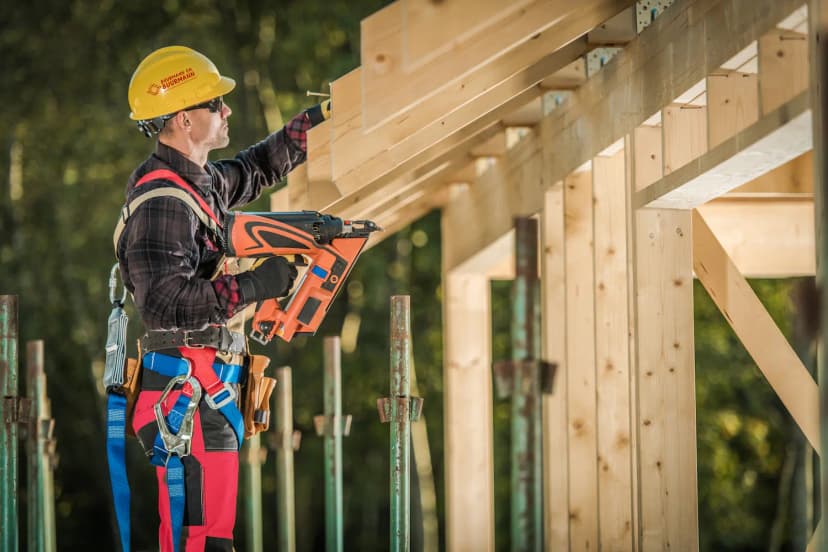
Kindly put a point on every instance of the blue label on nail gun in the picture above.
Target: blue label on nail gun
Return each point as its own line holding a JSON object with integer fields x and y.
{"x": 319, "y": 271}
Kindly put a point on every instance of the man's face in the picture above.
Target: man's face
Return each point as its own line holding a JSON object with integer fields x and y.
{"x": 210, "y": 129}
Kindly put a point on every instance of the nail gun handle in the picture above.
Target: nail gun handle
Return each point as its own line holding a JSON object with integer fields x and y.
{"x": 268, "y": 314}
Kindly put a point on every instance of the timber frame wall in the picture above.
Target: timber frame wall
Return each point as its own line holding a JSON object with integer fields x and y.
{"x": 686, "y": 154}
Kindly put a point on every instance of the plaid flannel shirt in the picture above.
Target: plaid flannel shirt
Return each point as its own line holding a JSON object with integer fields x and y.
{"x": 167, "y": 256}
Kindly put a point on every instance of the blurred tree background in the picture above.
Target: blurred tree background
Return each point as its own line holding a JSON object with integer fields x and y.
{"x": 67, "y": 150}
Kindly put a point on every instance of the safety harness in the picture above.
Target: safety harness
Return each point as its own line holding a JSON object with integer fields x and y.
{"x": 191, "y": 373}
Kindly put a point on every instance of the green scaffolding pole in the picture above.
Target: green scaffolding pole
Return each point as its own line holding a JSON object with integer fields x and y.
{"x": 253, "y": 458}
{"x": 286, "y": 443}
{"x": 40, "y": 448}
{"x": 400, "y": 409}
{"x": 10, "y": 409}
{"x": 526, "y": 457}
{"x": 525, "y": 377}
{"x": 332, "y": 425}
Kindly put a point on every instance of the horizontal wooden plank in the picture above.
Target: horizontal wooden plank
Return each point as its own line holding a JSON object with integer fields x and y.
{"x": 794, "y": 177}
{"x": 765, "y": 237}
{"x": 431, "y": 28}
{"x": 772, "y": 141}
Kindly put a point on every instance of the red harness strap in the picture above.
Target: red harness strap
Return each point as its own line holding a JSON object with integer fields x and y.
{"x": 164, "y": 174}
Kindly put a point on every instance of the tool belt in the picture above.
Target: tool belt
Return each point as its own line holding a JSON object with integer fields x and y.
{"x": 217, "y": 337}
{"x": 255, "y": 396}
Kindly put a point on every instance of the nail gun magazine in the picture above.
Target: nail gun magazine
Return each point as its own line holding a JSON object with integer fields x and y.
{"x": 327, "y": 245}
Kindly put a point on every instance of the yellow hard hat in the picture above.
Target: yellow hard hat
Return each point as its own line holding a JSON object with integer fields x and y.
{"x": 171, "y": 79}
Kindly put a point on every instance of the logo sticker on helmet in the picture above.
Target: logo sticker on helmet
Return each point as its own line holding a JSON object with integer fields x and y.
{"x": 177, "y": 78}
{"x": 153, "y": 89}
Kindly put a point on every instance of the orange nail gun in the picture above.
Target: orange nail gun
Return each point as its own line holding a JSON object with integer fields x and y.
{"x": 330, "y": 244}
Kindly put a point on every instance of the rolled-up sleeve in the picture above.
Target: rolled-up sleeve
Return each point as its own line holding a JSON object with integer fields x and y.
{"x": 163, "y": 256}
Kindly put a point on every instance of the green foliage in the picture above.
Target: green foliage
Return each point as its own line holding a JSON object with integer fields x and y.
{"x": 744, "y": 432}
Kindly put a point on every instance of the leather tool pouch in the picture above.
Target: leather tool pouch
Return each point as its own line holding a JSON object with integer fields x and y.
{"x": 256, "y": 403}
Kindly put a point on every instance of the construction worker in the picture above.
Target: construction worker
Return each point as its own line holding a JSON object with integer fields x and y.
{"x": 170, "y": 256}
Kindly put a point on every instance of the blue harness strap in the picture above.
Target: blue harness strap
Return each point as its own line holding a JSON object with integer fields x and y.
{"x": 174, "y": 469}
{"x": 116, "y": 458}
{"x": 176, "y": 492}
{"x": 173, "y": 366}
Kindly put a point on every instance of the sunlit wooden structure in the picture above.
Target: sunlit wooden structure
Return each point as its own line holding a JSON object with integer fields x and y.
{"x": 653, "y": 149}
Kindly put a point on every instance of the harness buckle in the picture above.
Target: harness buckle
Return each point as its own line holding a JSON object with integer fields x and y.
{"x": 231, "y": 396}
{"x": 180, "y": 442}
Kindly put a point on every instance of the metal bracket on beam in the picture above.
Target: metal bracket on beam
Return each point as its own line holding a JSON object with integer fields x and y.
{"x": 412, "y": 405}
{"x": 504, "y": 375}
{"x": 647, "y": 11}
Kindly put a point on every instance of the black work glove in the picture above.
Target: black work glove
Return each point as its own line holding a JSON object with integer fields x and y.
{"x": 273, "y": 278}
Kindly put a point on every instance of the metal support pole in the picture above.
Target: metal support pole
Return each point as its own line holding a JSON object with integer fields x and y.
{"x": 286, "y": 442}
{"x": 40, "y": 448}
{"x": 526, "y": 457}
{"x": 400, "y": 410}
{"x": 10, "y": 410}
{"x": 253, "y": 458}
{"x": 818, "y": 37}
{"x": 332, "y": 426}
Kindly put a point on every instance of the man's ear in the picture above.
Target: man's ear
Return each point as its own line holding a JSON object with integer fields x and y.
{"x": 181, "y": 121}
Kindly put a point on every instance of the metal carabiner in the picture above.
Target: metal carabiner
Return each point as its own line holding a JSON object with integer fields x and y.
{"x": 113, "y": 287}
{"x": 179, "y": 442}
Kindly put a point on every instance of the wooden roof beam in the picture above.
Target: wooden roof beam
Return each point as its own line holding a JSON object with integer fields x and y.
{"x": 370, "y": 159}
{"x": 431, "y": 46}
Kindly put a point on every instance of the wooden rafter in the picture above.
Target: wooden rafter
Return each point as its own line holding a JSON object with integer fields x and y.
{"x": 621, "y": 97}
{"x": 433, "y": 50}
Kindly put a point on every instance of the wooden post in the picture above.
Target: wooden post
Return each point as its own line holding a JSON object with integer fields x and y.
{"x": 612, "y": 358}
{"x": 553, "y": 328}
{"x": 580, "y": 362}
{"x": 665, "y": 381}
{"x": 467, "y": 403}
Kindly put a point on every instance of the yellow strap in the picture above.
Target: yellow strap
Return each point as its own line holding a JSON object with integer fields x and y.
{"x": 160, "y": 192}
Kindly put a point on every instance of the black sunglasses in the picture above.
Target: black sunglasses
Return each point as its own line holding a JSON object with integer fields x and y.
{"x": 154, "y": 126}
{"x": 215, "y": 105}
